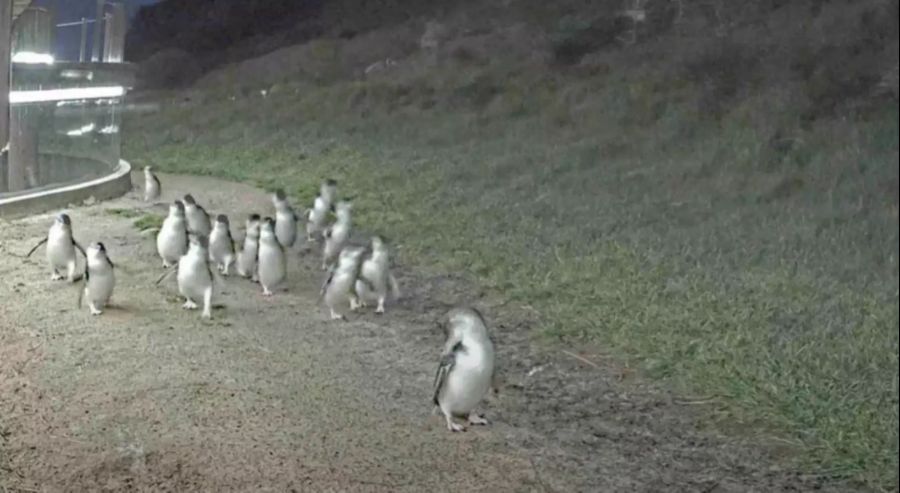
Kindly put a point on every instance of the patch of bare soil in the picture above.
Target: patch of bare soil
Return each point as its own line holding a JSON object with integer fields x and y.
{"x": 272, "y": 396}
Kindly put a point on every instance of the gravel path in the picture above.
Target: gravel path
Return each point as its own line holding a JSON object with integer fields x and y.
{"x": 270, "y": 395}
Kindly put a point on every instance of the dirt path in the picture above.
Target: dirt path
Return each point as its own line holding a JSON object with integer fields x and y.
{"x": 271, "y": 396}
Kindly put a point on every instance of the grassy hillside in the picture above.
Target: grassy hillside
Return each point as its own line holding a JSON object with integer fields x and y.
{"x": 716, "y": 201}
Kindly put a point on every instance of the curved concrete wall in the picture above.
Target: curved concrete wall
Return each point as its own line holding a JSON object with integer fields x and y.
{"x": 113, "y": 185}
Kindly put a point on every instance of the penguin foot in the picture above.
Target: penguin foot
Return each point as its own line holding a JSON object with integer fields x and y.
{"x": 475, "y": 419}
{"x": 337, "y": 316}
{"x": 56, "y": 277}
{"x": 454, "y": 426}
{"x": 189, "y": 305}
{"x": 95, "y": 310}
{"x": 207, "y": 314}
{"x": 266, "y": 291}
{"x": 355, "y": 305}
{"x": 380, "y": 308}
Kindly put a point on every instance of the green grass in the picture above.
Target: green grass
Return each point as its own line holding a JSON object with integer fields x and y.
{"x": 148, "y": 221}
{"x": 620, "y": 215}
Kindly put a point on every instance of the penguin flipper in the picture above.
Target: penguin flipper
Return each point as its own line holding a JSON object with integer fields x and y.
{"x": 167, "y": 273}
{"x": 80, "y": 249}
{"x": 36, "y": 246}
{"x": 395, "y": 287}
{"x": 448, "y": 360}
{"x": 326, "y": 283}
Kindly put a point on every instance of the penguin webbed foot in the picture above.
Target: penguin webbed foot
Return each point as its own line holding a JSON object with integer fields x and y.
{"x": 452, "y": 426}
{"x": 189, "y": 305}
{"x": 94, "y": 309}
{"x": 476, "y": 420}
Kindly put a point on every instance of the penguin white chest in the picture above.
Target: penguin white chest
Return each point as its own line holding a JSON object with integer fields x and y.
{"x": 194, "y": 277}
{"x": 60, "y": 249}
{"x": 285, "y": 227}
{"x": 100, "y": 285}
{"x": 468, "y": 381}
{"x": 272, "y": 264}
{"x": 171, "y": 242}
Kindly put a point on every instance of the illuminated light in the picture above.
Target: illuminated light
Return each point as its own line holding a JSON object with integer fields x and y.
{"x": 77, "y": 74}
{"x": 32, "y": 57}
{"x": 16, "y": 97}
{"x": 81, "y": 131}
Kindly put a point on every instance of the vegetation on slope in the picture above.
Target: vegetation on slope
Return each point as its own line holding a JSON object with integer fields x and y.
{"x": 717, "y": 199}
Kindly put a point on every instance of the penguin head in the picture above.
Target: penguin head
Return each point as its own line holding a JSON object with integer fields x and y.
{"x": 350, "y": 255}
{"x": 177, "y": 208}
{"x": 377, "y": 242}
{"x": 148, "y": 169}
{"x": 342, "y": 209}
{"x": 198, "y": 240}
{"x": 222, "y": 219}
{"x": 189, "y": 200}
{"x": 467, "y": 321}
{"x": 328, "y": 189}
{"x": 278, "y": 195}
{"x": 64, "y": 219}
{"x": 267, "y": 228}
{"x": 96, "y": 249}
{"x": 267, "y": 224}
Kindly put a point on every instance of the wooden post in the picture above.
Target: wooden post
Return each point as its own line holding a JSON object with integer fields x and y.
{"x": 5, "y": 41}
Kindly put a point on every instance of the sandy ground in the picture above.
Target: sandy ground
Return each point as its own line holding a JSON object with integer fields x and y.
{"x": 272, "y": 396}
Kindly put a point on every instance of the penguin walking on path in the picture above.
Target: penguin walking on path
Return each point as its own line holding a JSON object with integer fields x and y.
{"x": 172, "y": 239}
{"x": 61, "y": 247}
{"x": 249, "y": 254}
{"x": 272, "y": 266}
{"x": 466, "y": 368}
{"x": 99, "y": 278}
{"x": 337, "y": 291}
{"x": 221, "y": 245}
{"x": 375, "y": 277}
{"x": 152, "y": 187}
{"x": 285, "y": 219}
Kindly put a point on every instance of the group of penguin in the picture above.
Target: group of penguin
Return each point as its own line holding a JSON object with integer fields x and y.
{"x": 189, "y": 244}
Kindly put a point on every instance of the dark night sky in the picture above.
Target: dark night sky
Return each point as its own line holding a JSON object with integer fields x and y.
{"x": 68, "y": 38}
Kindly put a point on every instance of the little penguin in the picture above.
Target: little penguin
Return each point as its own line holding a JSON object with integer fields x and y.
{"x": 317, "y": 216}
{"x": 61, "y": 246}
{"x": 466, "y": 368}
{"x": 246, "y": 265}
{"x": 195, "y": 278}
{"x": 99, "y": 278}
{"x": 197, "y": 219}
{"x": 172, "y": 239}
{"x": 375, "y": 276}
{"x": 337, "y": 290}
{"x": 337, "y": 234}
{"x": 152, "y": 187}
{"x": 285, "y": 219}
{"x": 221, "y": 245}
{"x": 272, "y": 266}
